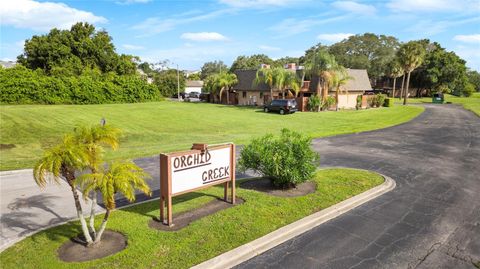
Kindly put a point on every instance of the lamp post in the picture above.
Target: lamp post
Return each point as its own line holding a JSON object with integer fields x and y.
{"x": 178, "y": 84}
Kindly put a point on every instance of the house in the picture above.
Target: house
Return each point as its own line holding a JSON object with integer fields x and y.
{"x": 193, "y": 86}
{"x": 246, "y": 92}
{"x": 347, "y": 98}
{"x": 8, "y": 64}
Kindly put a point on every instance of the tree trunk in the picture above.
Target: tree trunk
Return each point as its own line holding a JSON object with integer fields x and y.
{"x": 319, "y": 94}
{"x": 92, "y": 214}
{"x": 401, "y": 92}
{"x": 336, "y": 98}
{"x": 271, "y": 93}
{"x": 406, "y": 90}
{"x": 228, "y": 97}
{"x": 394, "y": 82}
{"x": 78, "y": 206}
{"x": 102, "y": 226}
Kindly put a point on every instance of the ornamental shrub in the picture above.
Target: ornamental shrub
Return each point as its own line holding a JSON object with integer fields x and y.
{"x": 313, "y": 103}
{"x": 359, "y": 102}
{"x": 329, "y": 101}
{"x": 380, "y": 99}
{"x": 287, "y": 160}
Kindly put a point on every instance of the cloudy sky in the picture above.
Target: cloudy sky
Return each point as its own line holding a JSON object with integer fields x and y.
{"x": 189, "y": 32}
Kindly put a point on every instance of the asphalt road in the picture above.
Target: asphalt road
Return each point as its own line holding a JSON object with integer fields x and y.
{"x": 431, "y": 219}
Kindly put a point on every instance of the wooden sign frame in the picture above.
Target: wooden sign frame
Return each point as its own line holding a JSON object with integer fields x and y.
{"x": 166, "y": 178}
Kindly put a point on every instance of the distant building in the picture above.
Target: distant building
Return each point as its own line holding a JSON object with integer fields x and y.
{"x": 8, "y": 64}
{"x": 193, "y": 86}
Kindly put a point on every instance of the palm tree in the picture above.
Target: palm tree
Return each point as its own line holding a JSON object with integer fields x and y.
{"x": 267, "y": 76}
{"x": 121, "y": 177}
{"x": 395, "y": 71}
{"x": 322, "y": 64}
{"x": 62, "y": 161}
{"x": 291, "y": 82}
{"x": 224, "y": 81}
{"x": 411, "y": 56}
{"x": 93, "y": 138}
{"x": 339, "y": 79}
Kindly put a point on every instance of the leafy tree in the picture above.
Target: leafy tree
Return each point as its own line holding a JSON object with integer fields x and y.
{"x": 410, "y": 55}
{"x": 120, "y": 177}
{"x": 291, "y": 83}
{"x": 474, "y": 79}
{"x": 367, "y": 51}
{"x": 224, "y": 82}
{"x": 194, "y": 76}
{"x": 72, "y": 51}
{"x": 63, "y": 160}
{"x": 250, "y": 62}
{"x": 167, "y": 83}
{"x": 267, "y": 76}
{"x": 286, "y": 60}
{"x": 146, "y": 67}
{"x": 210, "y": 68}
{"x": 323, "y": 65}
{"x": 340, "y": 78}
{"x": 394, "y": 70}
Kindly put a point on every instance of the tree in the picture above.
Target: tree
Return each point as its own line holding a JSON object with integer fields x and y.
{"x": 410, "y": 56}
{"x": 166, "y": 81}
{"x": 72, "y": 51}
{"x": 194, "y": 76}
{"x": 322, "y": 64}
{"x": 267, "y": 76}
{"x": 223, "y": 82}
{"x": 63, "y": 160}
{"x": 286, "y": 60}
{"x": 394, "y": 70}
{"x": 474, "y": 79}
{"x": 340, "y": 78}
{"x": 250, "y": 62}
{"x": 291, "y": 82}
{"x": 93, "y": 138}
{"x": 367, "y": 51}
{"x": 210, "y": 68}
{"x": 120, "y": 177}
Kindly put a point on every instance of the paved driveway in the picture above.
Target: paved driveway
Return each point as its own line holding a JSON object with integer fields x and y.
{"x": 431, "y": 219}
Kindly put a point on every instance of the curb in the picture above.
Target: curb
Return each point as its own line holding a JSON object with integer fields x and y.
{"x": 14, "y": 172}
{"x": 245, "y": 252}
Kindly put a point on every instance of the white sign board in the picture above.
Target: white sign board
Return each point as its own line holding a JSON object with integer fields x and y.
{"x": 196, "y": 170}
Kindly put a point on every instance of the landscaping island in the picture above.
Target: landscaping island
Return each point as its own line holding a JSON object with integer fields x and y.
{"x": 260, "y": 214}
{"x": 152, "y": 128}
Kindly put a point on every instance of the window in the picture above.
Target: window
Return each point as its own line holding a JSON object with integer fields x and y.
{"x": 244, "y": 94}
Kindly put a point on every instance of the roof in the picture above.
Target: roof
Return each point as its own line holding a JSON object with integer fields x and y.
{"x": 8, "y": 64}
{"x": 194, "y": 83}
{"x": 358, "y": 82}
{"x": 246, "y": 80}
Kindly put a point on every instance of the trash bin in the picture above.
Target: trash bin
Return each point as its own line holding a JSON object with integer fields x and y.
{"x": 438, "y": 98}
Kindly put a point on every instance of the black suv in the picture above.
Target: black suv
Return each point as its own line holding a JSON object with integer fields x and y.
{"x": 283, "y": 106}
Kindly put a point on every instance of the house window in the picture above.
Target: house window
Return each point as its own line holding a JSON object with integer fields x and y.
{"x": 244, "y": 94}
{"x": 261, "y": 94}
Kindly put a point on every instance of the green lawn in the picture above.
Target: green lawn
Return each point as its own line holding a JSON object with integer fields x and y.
{"x": 471, "y": 103}
{"x": 201, "y": 240}
{"x": 151, "y": 128}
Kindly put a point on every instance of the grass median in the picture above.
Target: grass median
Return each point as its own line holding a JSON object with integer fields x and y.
{"x": 471, "y": 103}
{"x": 151, "y": 128}
{"x": 201, "y": 240}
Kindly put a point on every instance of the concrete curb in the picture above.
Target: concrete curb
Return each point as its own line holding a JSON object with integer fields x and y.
{"x": 245, "y": 252}
{"x": 13, "y": 172}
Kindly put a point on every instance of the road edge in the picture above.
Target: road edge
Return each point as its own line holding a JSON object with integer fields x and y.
{"x": 247, "y": 251}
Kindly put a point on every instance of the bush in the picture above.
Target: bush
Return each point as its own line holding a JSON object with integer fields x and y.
{"x": 380, "y": 100}
{"x": 329, "y": 101}
{"x": 388, "y": 102}
{"x": 287, "y": 160}
{"x": 313, "y": 103}
{"x": 359, "y": 102}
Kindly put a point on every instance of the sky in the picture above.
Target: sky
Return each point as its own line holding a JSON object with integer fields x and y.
{"x": 189, "y": 33}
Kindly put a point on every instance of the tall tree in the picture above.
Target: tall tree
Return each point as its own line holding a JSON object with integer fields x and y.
{"x": 62, "y": 161}
{"x": 250, "y": 62}
{"x": 210, "y": 68}
{"x": 410, "y": 56}
{"x": 267, "y": 76}
{"x": 167, "y": 81}
{"x": 322, "y": 64}
{"x": 224, "y": 81}
{"x": 394, "y": 70}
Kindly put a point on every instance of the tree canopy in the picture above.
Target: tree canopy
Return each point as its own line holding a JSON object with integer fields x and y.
{"x": 250, "y": 62}
{"x": 166, "y": 81}
{"x": 70, "y": 52}
{"x": 210, "y": 68}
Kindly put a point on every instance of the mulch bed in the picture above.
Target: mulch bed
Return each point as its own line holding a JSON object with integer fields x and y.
{"x": 183, "y": 219}
{"x": 265, "y": 185}
{"x": 76, "y": 251}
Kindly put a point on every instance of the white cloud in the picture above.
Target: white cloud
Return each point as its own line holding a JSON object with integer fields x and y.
{"x": 269, "y": 48}
{"x": 43, "y": 16}
{"x": 291, "y": 26}
{"x": 332, "y": 38}
{"x": 155, "y": 25}
{"x": 132, "y": 47}
{"x": 354, "y": 7}
{"x": 475, "y": 38}
{"x": 204, "y": 36}
{"x": 261, "y": 3}
{"x": 433, "y": 5}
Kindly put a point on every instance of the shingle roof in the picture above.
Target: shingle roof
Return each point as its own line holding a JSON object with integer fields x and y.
{"x": 245, "y": 81}
{"x": 358, "y": 82}
{"x": 194, "y": 83}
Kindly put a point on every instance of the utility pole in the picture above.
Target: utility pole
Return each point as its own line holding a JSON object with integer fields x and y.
{"x": 178, "y": 84}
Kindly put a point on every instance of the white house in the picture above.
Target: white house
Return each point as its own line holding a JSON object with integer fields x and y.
{"x": 193, "y": 86}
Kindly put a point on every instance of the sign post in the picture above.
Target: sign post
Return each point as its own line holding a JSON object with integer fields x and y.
{"x": 199, "y": 168}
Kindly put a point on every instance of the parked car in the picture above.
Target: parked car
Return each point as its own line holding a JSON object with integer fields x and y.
{"x": 182, "y": 95}
{"x": 282, "y": 106}
{"x": 194, "y": 95}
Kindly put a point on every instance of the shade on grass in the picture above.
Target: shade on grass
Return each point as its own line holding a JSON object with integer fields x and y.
{"x": 151, "y": 128}
{"x": 202, "y": 239}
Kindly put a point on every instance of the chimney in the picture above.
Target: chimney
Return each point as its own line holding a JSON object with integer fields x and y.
{"x": 291, "y": 66}
{"x": 266, "y": 66}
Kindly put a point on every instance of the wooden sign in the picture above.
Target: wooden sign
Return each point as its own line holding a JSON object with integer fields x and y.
{"x": 199, "y": 168}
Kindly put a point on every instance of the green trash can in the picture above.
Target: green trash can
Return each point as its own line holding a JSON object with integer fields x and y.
{"x": 438, "y": 98}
